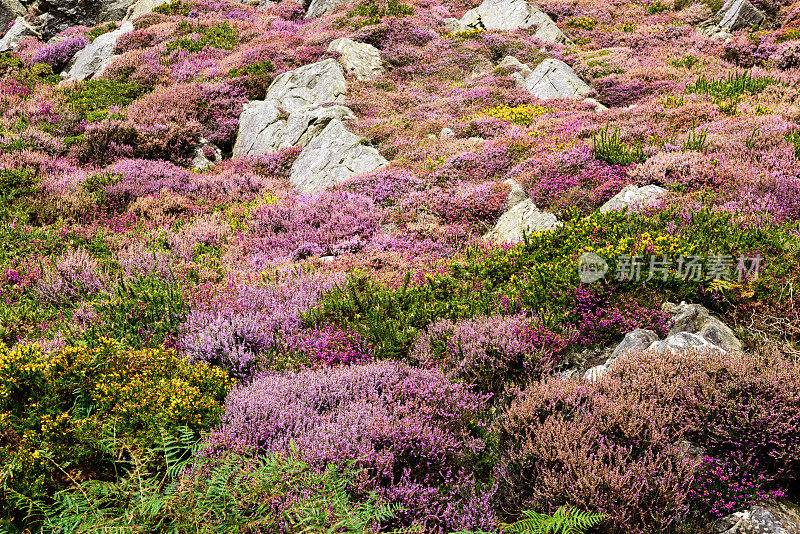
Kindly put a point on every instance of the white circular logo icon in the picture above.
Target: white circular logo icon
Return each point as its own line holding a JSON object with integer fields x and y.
{"x": 591, "y": 267}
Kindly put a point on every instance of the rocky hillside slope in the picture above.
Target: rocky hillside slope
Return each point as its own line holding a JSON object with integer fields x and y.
{"x": 442, "y": 265}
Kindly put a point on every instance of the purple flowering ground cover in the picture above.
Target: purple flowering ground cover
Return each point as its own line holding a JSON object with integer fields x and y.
{"x": 192, "y": 342}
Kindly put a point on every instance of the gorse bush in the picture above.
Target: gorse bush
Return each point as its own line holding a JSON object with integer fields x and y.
{"x": 55, "y": 406}
{"x": 373, "y": 12}
{"x": 91, "y": 99}
{"x": 197, "y": 37}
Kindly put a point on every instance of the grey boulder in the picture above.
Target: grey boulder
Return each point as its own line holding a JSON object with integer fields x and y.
{"x": 143, "y": 7}
{"x": 633, "y": 195}
{"x": 332, "y": 157}
{"x": 637, "y": 341}
{"x": 316, "y": 8}
{"x": 771, "y": 517}
{"x": 318, "y": 83}
{"x": 359, "y": 59}
{"x": 684, "y": 342}
{"x": 516, "y": 193}
{"x": 9, "y": 11}
{"x": 507, "y": 15}
{"x": 97, "y": 55}
{"x": 523, "y": 217}
{"x": 738, "y": 14}
{"x": 553, "y": 78}
{"x": 16, "y": 33}
{"x": 62, "y": 14}
{"x": 696, "y": 319}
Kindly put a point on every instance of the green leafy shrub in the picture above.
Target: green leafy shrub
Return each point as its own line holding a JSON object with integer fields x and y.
{"x": 374, "y": 11}
{"x": 608, "y": 147}
{"x": 686, "y": 62}
{"x": 727, "y": 92}
{"x": 259, "y": 76}
{"x": 101, "y": 30}
{"x": 695, "y": 141}
{"x": 91, "y": 98}
{"x": 584, "y": 23}
{"x": 143, "y": 312}
{"x": 54, "y": 408}
{"x": 178, "y": 7}
{"x": 657, "y": 7}
{"x": 218, "y": 35}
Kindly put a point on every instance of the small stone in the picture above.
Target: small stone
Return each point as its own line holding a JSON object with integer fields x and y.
{"x": 447, "y": 133}
{"x": 524, "y": 217}
{"x": 632, "y": 195}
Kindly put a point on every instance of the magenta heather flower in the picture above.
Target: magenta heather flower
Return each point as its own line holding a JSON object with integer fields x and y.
{"x": 58, "y": 54}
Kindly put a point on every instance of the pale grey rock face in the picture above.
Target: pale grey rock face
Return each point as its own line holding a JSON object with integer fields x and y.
{"x": 271, "y": 124}
{"x": 447, "y": 133}
{"x": 507, "y": 15}
{"x": 201, "y": 160}
{"x": 738, "y": 14}
{"x": 319, "y": 83}
{"x": 634, "y": 196}
{"x": 453, "y": 25}
{"x": 516, "y": 194}
{"x": 9, "y": 11}
{"x": 143, "y": 7}
{"x": 315, "y": 8}
{"x": 62, "y": 14}
{"x": 97, "y": 55}
{"x": 637, "y": 341}
{"x": 16, "y": 33}
{"x": 359, "y": 59}
{"x": 683, "y": 342}
{"x": 553, "y": 78}
{"x": 522, "y": 217}
{"x": 332, "y": 157}
{"x": 772, "y": 517}
{"x": 696, "y": 319}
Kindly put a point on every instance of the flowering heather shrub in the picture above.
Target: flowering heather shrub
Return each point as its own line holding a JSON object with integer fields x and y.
{"x": 469, "y": 204}
{"x": 59, "y": 53}
{"x": 490, "y": 353}
{"x": 491, "y": 163}
{"x": 742, "y": 408}
{"x": 140, "y": 177}
{"x": 330, "y": 345}
{"x": 385, "y": 186}
{"x": 249, "y": 326}
{"x": 689, "y": 170}
{"x": 75, "y": 274}
{"x": 331, "y": 222}
{"x": 412, "y": 430}
{"x": 595, "y": 446}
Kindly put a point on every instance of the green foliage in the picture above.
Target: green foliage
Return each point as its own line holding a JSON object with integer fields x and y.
{"x": 686, "y": 62}
{"x": 15, "y": 184}
{"x": 171, "y": 488}
{"x": 657, "y": 7}
{"x": 727, "y": 92}
{"x": 610, "y": 148}
{"x": 101, "y": 30}
{"x": 196, "y": 37}
{"x": 793, "y": 138}
{"x": 565, "y": 520}
{"x": 141, "y": 313}
{"x": 178, "y": 7}
{"x": 90, "y": 99}
{"x": 55, "y": 408}
{"x": 468, "y": 34}
{"x": 259, "y": 76}
{"x": 695, "y": 141}
{"x": 11, "y": 66}
{"x": 584, "y": 23}
{"x": 374, "y": 11}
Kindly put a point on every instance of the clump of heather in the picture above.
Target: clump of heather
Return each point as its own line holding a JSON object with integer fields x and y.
{"x": 468, "y": 203}
{"x": 491, "y": 353}
{"x": 332, "y": 222}
{"x": 58, "y": 54}
{"x": 331, "y": 345}
{"x": 73, "y": 275}
{"x": 384, "y": 186}
{"x": 414, "y": 432}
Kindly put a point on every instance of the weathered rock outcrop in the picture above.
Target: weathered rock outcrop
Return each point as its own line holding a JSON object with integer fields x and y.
{"x": 636, "y": 341}
{"x": 360, "y": 59}
{"x": 696, "y": 319}
{"x": 633, "y": 195}
{"x": 143, "y": 7}
{"x": 332, "y": 157}
{"x": 734, "y": 15}
{"x": 524, "y": 217}
{"x": 553, "y": 78}
{"x": 58, "y": 15}
{"x": 97, "y": 55}
{"x": 773, "y": 517}
{"x": 9, "y": 11}
{"x": 303, "y": 107}
{"x": 316, "y": 8}
{"x": 511, "y": 15}
{"x": 16, "y": 33}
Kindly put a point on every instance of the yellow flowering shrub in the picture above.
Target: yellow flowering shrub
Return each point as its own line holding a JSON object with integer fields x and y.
{"x": 54, "y": 409}
{"x": 522, "y": 115}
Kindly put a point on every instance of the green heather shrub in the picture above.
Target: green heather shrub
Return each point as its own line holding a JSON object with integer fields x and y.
{"x": 218, "y": 35}
{"x": 55, "y": 407}
{"x": 259, "y": 76}
{"x": 144, "y": 312}
{"x": 657, "y": 7}
{"x": 90, "y": 99}
{"x": 178, "y": 7}
{"x": 374, "y": 11}
{"x": 101, "y": 30}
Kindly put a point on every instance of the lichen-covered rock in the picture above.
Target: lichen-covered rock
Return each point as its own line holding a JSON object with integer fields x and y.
{"x": 696, "y": 319}
{"x": 683, "y": 342}
{"x": 516, "y": 193}
{"x": 774, "y": 517}
{"x": 291, "y": 107}
{"x": 62, "y": 14}
{"x": 332, "y": 157}
{"x": 523, "y": 217}
{"x": 553, "y": 78}
{"x": 512, "y": 15}
{"x": 316, "y": 8}
{"x": 360, "y": 59}
{"x": 16, "y": 33}
{"x": 97, "y": 55}
{"x": 9, "y": 11}
{"x": 633, "y": 195}
{"x": 636, "y": 341}
{"x": 738, "y": 14}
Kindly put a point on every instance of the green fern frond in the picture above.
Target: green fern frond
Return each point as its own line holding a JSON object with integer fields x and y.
{"x": 565, "y": 520}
